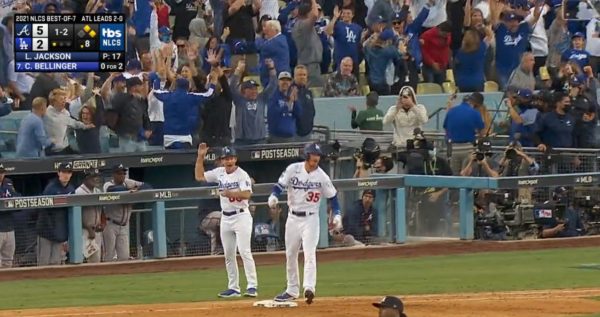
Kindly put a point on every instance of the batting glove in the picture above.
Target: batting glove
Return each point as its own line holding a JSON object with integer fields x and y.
{"x": 337, "y": 222}
{"x": 273, "y": 201}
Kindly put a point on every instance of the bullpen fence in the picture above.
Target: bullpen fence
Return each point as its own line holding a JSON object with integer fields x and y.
{"x": 403, "y": 204}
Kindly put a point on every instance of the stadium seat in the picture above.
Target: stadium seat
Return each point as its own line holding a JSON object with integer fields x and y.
{"x": 362, "y": 68}
{"x": 449, "y": 87}
{"x": 450, "y": 75}
{"x": 365, "y": 90}
{"x": 490, "y": 86}
{"x": 429, "y": 88}
{"x": 317, "y": 91}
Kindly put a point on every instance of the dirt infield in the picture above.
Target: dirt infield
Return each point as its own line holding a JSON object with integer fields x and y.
{"x": 522, "y": 304}
{"x": 276, "y": 258}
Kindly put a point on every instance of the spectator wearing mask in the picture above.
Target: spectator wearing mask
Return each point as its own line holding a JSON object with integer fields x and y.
{"x": 346, "y": 35}
{"x": 181, "y": 109}
{"x": 52, "y": 223}
{"x": 342, "y": 82}
{"x": 523, "y": 117}
{"x": 523, "y": 76}
{"x": 360, "y": 220}
{"x": 462, "y": 124}
{"x": 58, "y": 120}
{"x": 435, "y": 46}
{"x": 31, "y": 138}
{"x": 283, "y": 111}
{"x": 405, "y": 116}
{"x": 555, "y": 129}
{"x": 128, "y": 117}
{"x": 91, "y": 216}
{"x": 469, "y": 64}
{"x": 216, "y": 114}
{"x": 305, "y": 100}
{"x": 511, "y": 39}
{"x": 274, "y": 48}
{"x": 239, "y": 15}
{"x": 7, "y": 227}
{"x": 250, "y": 106}
{"x": 308, "y": 44}
{"x": 379, "y": 53}
{"x": 577, "y": 52}
{"x": 370, "y": 119}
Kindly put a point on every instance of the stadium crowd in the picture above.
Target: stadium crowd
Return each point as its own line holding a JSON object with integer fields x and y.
{"x": 213, "y": 71}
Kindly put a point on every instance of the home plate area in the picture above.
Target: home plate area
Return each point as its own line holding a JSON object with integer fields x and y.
{"x": 273, "y": 304}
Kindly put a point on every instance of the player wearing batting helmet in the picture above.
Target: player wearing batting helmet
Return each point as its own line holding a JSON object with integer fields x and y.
{"x": 390, "y": 306}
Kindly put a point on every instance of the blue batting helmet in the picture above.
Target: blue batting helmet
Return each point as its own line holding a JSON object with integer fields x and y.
{"x": 312, "y": 148}
{"x": 227, "y": 151}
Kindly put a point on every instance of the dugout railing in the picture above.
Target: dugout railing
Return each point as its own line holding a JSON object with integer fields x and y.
{"x": 396, "y": 186}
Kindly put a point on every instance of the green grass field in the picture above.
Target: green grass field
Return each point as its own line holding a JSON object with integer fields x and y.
{"x": 500, "y": 271}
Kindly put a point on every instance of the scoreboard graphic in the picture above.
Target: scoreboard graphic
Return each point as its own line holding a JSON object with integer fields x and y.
{"x": 70, "y": 43}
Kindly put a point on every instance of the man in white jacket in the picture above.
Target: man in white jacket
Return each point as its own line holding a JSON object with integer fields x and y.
{"x": 405, "y": 115}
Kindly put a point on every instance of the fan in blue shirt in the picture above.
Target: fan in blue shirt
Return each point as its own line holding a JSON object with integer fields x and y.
{"x": 512, "y": 38}
{"x": 463, "y": 123}
{"x": 577, "y": 52}
{"x": 346, "y": 35}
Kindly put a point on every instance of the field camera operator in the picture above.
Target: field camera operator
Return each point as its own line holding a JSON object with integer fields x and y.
{"x": 420, "y": 158}
{"x": 480, "y": 163}
{"x": 365, "y": 157}
{"x": 567, "y": 225}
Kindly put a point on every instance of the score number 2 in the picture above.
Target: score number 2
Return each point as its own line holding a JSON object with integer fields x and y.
{"x": 313, "y": 197}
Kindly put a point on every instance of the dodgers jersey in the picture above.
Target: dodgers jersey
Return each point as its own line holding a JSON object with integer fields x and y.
{"x": 305, "y": 190}
{"x": 237, "y": 181}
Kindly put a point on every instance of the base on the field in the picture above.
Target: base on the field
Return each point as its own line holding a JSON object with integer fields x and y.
{"x": 273, "y": 304}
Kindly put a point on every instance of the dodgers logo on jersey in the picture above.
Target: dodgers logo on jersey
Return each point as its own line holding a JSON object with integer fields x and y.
{"x": 350, "y": 35}
{"x": 228, "y": 185}
{"x": 306, "y": 185}
{"x": 510, "y": 41}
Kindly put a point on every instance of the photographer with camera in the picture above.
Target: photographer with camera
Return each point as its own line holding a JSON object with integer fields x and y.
{"x": 365, "y": 157}
{"x": 428, "y": 210}
{"x": 568, "y": 224}
{"x": 480, "y": 164}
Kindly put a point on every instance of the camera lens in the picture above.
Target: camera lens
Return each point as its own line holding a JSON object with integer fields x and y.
{"x": 479, "y": 156}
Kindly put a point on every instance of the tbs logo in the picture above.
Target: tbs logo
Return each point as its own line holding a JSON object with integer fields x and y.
{"x": 112, "y": 37}
{"x": 109, "y": 33}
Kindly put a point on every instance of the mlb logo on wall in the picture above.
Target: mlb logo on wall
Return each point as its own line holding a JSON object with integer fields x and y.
{"x": 255, "y": 155}
{"x": 112, "y": 37}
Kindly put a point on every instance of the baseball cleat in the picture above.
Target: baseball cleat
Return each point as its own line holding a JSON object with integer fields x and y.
{"x": 284, "y": 297}
{"x": 309, "y": 296}
{"x": 251, "y": 292}
{"x": 229, "y": 293}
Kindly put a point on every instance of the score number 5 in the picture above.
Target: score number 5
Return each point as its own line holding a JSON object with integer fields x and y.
{"x": 313, "y": 197}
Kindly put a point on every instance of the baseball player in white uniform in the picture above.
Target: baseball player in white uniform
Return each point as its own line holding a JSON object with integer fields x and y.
{"x": 306, "y": 185}
{"x": 235, "y": 189}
